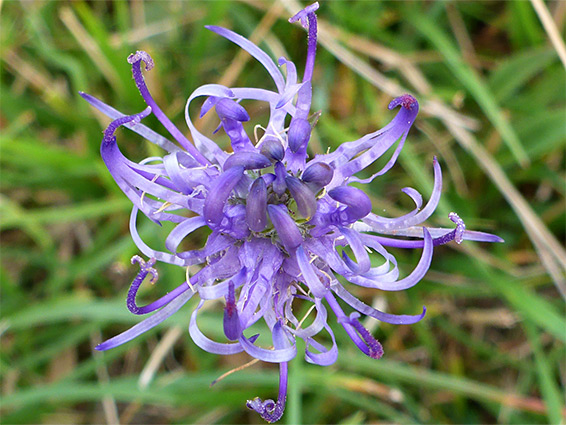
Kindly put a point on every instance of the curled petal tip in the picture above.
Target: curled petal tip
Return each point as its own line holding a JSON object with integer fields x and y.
{"x": 460, "y": 227}
{"x": 141, "y": 55}
{"x": 406, "y": 101}
{"x": 303, "y": 13}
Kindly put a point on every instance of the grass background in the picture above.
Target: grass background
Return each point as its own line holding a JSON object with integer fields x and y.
{"x": 492, "y": 92}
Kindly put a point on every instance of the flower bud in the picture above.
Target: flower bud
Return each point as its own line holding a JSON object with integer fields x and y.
{"x": 287, "y": 230}
{"x": 272, "y": 149}
{"x": 303, "y": 196}
{"x": 359, "y": 204}
{"x": 299, "y": 134}
{"x": 219, "y": 193}
{"x": 256, "y": 206}
{"x": 231, "y": 320}
{"x": 227, "y": 108}
{"x": 248, "y": 160}
{"x": 317, "y": 175}
{"x": 279, "y": 185}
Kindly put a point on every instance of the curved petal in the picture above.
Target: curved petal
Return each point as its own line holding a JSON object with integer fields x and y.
{"x": 355, "y": 242}
{"x": 181, "y": 231}
{"x": 253, "y": 50}
{"x": 309, "y": 276}
{"x": 408, "y": 282}
{"x": 325, "y": 356}
{"x": 206, "y": 343}
{"x": 148, "y": 323}
{"x": 270, "y": 356}
{"x": 393, "y": 225}
{"x": 403, "y": 319}
{"x": 159, "y": 255}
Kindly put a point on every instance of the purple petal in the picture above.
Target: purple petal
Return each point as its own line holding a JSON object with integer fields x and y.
{"x": 271, "y": 356}
{"x": 203, "y": 143}
{"x": 408, "y": 282}
{"x": 396, "y": 225}
{"x": 359, "y": 250}
{"x": 136, "y": 60}
{"x": 279, "y": 185}
{"x": 324, "y": 357}
{"x": 231, "y": 319}
{"x": 268, "y": 409}
{"x": 309, "y": 276}
{"x": 182, "y": 230}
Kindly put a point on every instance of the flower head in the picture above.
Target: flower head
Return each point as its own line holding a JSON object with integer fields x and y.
{"x": 279, "y": 220}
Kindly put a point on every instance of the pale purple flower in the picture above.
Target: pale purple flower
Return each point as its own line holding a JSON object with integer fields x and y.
{"x": 277, "y": 217}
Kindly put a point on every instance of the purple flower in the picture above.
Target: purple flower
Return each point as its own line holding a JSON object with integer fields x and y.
{"x": 278, "y": 218}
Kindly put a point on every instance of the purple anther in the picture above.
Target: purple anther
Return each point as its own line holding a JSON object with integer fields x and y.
{"x": 219, "y": 192}
{"x": 303, "y": 196}
{"x": 358, "y": 203}
{"x": 248, "y": 160}
{"x": 299, "y": 134}
{"x": 227, "y": 108}
{"x": 256, "y": 206}
{"x": 114, "y": 125}
{"x": 231, "y": 320}
{"x": 273, "y": 149}
{"x": 317, "y": 175}
{"x": 279, "y": 185}
{"x": 287, "y": 230}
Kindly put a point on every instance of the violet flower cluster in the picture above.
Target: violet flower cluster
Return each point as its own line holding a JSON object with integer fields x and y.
{"x": 279, "y": 220}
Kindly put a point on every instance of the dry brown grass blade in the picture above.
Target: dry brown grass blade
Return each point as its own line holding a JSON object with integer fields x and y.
{"x": 551, "y": 29}
{"x": 90, "y": 46}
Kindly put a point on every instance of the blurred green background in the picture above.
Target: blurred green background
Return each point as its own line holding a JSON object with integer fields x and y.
{"x": 492, "y": 92}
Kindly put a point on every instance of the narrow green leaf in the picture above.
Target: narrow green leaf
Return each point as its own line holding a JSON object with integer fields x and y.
{"x": 473, "y": 83}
